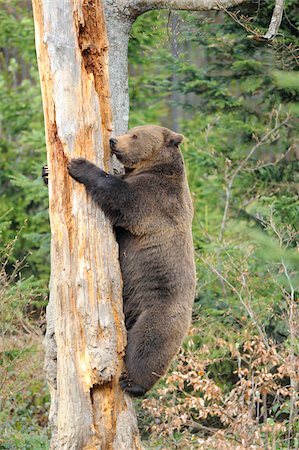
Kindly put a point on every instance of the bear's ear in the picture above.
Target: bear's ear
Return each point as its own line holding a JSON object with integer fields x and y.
{"x": 174, "y": 139}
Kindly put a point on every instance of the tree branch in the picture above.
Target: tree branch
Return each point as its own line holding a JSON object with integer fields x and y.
{"x": 137, "y": 7}
{"x": 273, "y": 27}
{"x": 275, "y": 20}
{"x": 246, "y": 304}
{"x": 262, "y": 141}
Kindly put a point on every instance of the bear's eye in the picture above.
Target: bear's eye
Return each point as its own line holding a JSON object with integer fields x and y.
{"x": 134, "y": 136}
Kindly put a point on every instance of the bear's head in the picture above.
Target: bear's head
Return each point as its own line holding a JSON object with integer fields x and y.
{"x": 146, "y": 145}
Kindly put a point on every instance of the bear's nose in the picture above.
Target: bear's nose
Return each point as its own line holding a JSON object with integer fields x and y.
{"x": 113, "y": 142}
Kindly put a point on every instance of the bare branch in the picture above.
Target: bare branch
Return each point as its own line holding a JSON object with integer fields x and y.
{"x": 256, "y": 33}
{"x": 262, "y": 141}
{"x": 244, "y": 303}
{"x": 137, "y": 7}
{"x": 264, "y": 164}
{"x": 275, "y": 20}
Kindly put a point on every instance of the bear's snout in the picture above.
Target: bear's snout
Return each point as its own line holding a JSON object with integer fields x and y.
{"x": 113, "y": 143}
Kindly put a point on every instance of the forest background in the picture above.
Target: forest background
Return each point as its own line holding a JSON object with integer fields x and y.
{"x": 235, "y": 383}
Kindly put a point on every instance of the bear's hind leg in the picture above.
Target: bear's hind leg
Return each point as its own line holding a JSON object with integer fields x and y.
{"x": 152, "y": 342}
{"x": 131, "y": 388}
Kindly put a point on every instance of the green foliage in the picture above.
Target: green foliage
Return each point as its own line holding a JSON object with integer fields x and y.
{"x": 24, "y": 397}
{"x": 21, "y": 422}
{"x": 25, "y": 441}
{"x": 23, "y": 198}
{"x": 25, "y": 401}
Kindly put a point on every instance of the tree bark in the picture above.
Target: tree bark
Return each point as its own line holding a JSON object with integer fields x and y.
{"x": 85, "y": 338}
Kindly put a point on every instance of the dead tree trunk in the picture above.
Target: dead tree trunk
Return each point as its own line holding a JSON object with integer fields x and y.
{"x": 85, "y": 338}
{"x": 82, "y": 57}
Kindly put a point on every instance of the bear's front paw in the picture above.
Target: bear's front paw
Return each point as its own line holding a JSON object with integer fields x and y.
{"x": 80, "y": 169}
{"x": 45, "y": 174}
{"x": 130, "y": 387}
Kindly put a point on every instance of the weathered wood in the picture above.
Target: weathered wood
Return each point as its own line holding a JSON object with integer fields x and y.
{"x": 85, "y": 338}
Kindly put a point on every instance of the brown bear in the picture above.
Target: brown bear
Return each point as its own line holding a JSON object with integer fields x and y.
{"x": 151, "y": 210}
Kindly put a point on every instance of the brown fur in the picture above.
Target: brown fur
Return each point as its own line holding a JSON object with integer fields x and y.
{"x": 151, "y": 210}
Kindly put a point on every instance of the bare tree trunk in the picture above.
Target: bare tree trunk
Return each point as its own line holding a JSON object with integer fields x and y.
{"x": 85, "y": 338}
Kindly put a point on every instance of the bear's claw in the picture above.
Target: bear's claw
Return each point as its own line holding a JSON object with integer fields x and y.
{"x": 130, "y": 387}
{"x": 45, "y": 174}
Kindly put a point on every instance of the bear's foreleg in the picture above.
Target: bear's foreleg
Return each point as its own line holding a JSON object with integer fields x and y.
{"x": 111, "y": 193}
{"x": 45, "y": 174}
